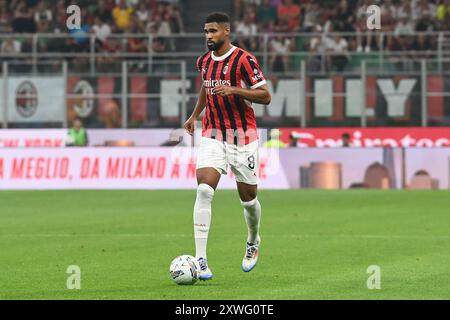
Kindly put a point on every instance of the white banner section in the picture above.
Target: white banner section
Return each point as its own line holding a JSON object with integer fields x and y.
{"x": 118, "y": 168}
{"x": 32, "y": 138}
{"x": 32, "y": 99}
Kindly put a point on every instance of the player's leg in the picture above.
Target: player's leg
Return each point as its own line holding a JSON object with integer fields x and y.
{"x": 207, "y": 179}
{"x": 211, "y": 162}
{"x": 252, "y": 209}
{"x": 252, "y": 215}
{"x": 245, "y": 165}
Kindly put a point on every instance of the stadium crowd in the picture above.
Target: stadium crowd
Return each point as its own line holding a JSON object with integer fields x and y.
{"x": 401, "y": 23}
{"x": 100, "y": 18}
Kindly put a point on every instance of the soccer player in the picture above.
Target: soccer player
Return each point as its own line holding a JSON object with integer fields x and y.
{"x": 231, "y": 81}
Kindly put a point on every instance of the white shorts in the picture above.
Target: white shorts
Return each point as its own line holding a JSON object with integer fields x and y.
{"x": 243, "y": 159}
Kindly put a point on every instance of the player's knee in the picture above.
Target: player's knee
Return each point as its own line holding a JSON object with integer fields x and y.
{"x": 247, "y": 195}
{"x": 205, "y": 191}
{"x": 250, "y": 203}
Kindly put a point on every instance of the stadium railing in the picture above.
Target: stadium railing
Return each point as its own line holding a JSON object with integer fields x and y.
{"x": 379, "y": 88}
{"x": 188, "y": 46}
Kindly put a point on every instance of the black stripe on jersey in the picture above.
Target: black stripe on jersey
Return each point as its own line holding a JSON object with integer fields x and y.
{"x": 251, "y": 62}
{"x": 227, "y": 102}
{"x": 244, "y": 73}
{"x": 253, "y": 65}
{"x": 216, "y": 101}
{"x": 237, "y": 100}
{"x": 200, "y": 61}
{"x": 211, "y": 112}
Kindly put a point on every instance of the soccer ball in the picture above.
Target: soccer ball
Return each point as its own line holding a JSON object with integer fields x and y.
{"x": 184, "y": 269}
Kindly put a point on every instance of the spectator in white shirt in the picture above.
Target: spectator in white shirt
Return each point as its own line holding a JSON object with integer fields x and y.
{"x": 316, "y": 49}
{"x": 337, "y": 49}
{"x": 101, "y": 31}
{"x": 10, "y": 46}
{"x": 280, "y": 47}
{"x": 246, "y": 31}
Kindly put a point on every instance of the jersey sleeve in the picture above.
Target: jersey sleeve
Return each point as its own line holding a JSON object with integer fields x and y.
{"x": 251, "y": 72}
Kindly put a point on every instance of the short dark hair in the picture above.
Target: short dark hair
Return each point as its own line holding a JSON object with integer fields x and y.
{"x": 219, "y": 17}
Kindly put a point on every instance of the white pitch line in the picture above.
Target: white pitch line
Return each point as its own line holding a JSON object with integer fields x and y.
{"x": 137, "y": 235}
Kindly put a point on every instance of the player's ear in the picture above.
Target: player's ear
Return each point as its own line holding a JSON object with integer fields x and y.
{"x": 227, "y": 29}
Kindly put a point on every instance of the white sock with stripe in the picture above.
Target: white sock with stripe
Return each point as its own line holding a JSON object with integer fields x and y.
{"x": 202, "y": 218}
{"x": 252, "y": 214}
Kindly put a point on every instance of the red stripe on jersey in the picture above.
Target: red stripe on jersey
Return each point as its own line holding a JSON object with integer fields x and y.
{"x": 209, "y": 65}
{"x": 232, "y": 66}
{"x": 232, "y": 112}
{"x": 207, "y": 122}
{"x": 251, "y": 134}
{"x": 220, "y": 99}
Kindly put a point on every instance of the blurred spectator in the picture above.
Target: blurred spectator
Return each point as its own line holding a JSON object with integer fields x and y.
{"x": 110, "y": 114}
{"x": 160, "y": 29}
{"x": 280, "y": 47}
{"x": 443, "y": 15}
{"x": 77, "y": 135}
{"x": 344, "y": 18}
{"x": 43, "y": 13}
{"x": 361, "y": 27}
{"x": 60, "y": 17}
{"x": 388, "y": 22}
{"x": 108, "y": 60}
{"x": 136, "y": 45}
{"x": 404, "y": 27}
{"x": 288, "y": 16}
{"x": 337, "y": 49}
{"x": 423, "y": 8}
{"x": 293, "y": 140}
{"x": 241, "y": 5}
{"x": 311, "y": 17}
{"x": 23, "y": 19}
{"x": 10, "y": 46}
{"x": 103, "y": 12}
{"x": 173, "y": 16}
{"x": 266, "y": 15}
{"x": 101, "y": 30}
{"x": 143, "y": 14}
{"x": 404, "y": 9}
{"x": 122, "y": 15}
{"x": 5, "y": 17}
{"x": 246, "y": 31}
{"x": 274, "y": 141}
{"x": 425, "y": 23}
{"x": 346, "y": 140}
{"x": 43, "y": 26}
{"x": 316, "y": 50}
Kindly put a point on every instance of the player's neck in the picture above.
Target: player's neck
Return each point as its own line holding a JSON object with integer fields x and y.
{"x": 223, "y": 50}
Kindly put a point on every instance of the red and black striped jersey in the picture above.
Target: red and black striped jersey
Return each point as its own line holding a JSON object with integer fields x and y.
{"x": 230, "y": 118}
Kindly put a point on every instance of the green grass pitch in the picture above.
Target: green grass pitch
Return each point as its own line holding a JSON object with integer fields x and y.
{"x": 315, "y": 244}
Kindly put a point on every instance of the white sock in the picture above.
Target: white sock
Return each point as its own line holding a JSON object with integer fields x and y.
{"x": 202, "y": 218}
{"x": 252, "y": 214}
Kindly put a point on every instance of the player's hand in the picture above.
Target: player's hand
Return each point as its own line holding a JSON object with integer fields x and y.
{"x": 189, "y": 125}
{"x": 223, "y": 90}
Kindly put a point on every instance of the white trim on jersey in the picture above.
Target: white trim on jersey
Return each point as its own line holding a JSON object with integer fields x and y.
{"x": 259, "y": 84}
{"x": 222, "y": 57}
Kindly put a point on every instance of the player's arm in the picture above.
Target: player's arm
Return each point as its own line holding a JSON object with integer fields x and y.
{"x": 189, "y": 125}
{"x": 259, "y": 95}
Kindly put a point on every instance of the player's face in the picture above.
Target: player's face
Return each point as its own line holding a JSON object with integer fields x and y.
{"x": 215, "y": 34}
